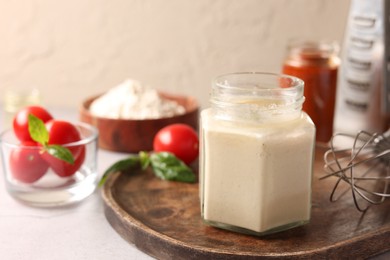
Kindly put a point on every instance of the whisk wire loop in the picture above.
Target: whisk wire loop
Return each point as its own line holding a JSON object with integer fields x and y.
{"x": 364, "y": 167}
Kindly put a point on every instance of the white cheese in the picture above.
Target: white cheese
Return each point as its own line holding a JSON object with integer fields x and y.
{"x": 132, "y": 100}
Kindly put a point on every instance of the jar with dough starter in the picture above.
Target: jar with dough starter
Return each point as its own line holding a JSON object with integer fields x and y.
{"x": 256, "y": 154}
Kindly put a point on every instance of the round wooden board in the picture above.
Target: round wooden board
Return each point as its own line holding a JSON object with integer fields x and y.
{"x": 163, "y": 219}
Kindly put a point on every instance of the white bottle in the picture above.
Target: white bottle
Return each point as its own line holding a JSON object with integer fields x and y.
{"x": 256, "y": 155}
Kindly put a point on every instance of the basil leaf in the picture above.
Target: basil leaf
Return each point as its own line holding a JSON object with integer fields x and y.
{"x": 37, "y": 129}
{"x": 167, "y": 167}
{"x": 60, "y": 152}
{"x": 129, "y": 163}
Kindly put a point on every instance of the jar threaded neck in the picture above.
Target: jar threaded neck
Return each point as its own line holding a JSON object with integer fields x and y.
{"x": 257, "y": 96}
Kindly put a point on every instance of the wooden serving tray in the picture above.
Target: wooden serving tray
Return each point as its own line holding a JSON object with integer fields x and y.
{"x": 163, "y": 219}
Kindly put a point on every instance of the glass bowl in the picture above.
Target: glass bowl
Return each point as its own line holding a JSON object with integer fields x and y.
{"x": 30, "y": 179}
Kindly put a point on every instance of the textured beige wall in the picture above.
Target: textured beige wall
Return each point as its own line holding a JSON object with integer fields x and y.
{"x": 74, "y": 48}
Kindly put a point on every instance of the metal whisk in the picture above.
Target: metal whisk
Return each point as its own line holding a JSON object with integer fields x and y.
{"x": 362, "y": 166}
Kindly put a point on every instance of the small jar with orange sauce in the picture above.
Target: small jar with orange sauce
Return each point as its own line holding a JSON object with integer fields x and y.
{"x": 316, "y": 63}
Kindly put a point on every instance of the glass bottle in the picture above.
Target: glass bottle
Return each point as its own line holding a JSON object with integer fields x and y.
{"x": 256, "y": 154}
{"x": 316, "y": 63}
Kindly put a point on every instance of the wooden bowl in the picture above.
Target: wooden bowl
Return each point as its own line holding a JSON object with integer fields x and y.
{"x": 134, "y": 135}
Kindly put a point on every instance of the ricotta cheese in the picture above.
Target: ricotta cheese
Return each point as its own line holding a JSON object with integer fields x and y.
{"x": 132, "y": 100}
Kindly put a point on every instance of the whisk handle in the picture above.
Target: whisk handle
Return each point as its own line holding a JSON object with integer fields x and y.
{"x": 387, "y": 133}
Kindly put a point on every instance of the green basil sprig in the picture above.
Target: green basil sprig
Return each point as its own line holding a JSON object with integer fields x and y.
{"x": 165, "y": 166}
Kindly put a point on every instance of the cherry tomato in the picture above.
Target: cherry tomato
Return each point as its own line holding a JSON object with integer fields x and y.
{"x": 179, "y": 139}
{"x": 64, "y": 169}
{"x": 26, "y": 164}
{"x": 62, "y": 133}
{"x": 20, "y": 121}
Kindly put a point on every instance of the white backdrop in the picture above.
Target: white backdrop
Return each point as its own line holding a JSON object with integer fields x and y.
{"x": 72, "y": 49}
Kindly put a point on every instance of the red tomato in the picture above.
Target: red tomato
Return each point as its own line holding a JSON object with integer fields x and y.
{"x": 26, "y": 164}
{"x": 64, "y": 169}
{"x": 62, "y": 133}
{"x": 179, "y": 139}
{"x": 20, "y": 122}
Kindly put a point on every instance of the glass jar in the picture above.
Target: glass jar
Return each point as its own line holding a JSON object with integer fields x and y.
{"x": 15, "y": 98}
{"x": 316, "y": 63}
{"x": 256, "y": 154}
